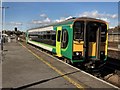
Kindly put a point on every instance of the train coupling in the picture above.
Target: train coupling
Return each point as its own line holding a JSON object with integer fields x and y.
{"x": 90, "y": 65}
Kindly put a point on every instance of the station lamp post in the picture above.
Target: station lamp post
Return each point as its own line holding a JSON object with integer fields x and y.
{"x": 3, "y": 24}
{"x": 3, "y": 16}
{"x": 0, "y": 37}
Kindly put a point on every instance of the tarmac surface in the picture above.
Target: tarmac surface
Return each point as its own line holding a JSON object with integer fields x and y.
{"x": 29, "y": 68}
{"x": 21, "y": 68}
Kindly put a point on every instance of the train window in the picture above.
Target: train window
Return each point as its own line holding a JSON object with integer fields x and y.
{"x": 53, "y": 32}
{"x": 40, "y": 37}
{"x": 53, "y": 37}
{"x": 58, "y": 37}
{"x": 92, "y": 28}
{"x": 44, "y": 36}
{"x": 64, "y": 38}
{"x": 103, "y": 32}
{"x": 48, "y": 32}
{"x": 78, "y": 30}
{"x": 48, "y": 36}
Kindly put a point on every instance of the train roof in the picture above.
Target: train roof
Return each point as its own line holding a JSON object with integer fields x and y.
{"x": 70, "y": 21}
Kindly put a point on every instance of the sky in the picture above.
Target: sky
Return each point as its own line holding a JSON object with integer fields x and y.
{"x": 25, "y": 15}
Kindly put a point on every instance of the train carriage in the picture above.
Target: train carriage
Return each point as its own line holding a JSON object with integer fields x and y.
{"x": 78, "y": 40}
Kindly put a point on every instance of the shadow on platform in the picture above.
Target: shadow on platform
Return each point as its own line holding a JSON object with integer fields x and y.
{"x": 42, "y": 81}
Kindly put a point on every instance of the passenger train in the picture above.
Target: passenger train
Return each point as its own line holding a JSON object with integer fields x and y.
{"x": 80, "y": 40}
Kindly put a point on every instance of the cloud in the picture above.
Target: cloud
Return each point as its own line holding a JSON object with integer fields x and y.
{"x": 43, "y": 15}
{"x": 44, "y": 19}
{"x": 59, "y": 20}
{"x": 103, "y": 16}
{"x": 96, "y": 14}
{"x": 62, "y": 19}
{"x": 68, "y": 17}
{"x": 47, "y": 20}
{"x": 14, "y": 23}
{"x": 36, "y": 22}
{"x": 113, "y": 16}
{"x": 105, "y": 19}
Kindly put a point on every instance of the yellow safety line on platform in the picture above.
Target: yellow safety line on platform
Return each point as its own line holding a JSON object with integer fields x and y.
{"x": 55, "y": 69}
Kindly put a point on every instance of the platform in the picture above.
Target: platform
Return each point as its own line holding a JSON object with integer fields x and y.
{"x": 25, "y": 67}
{"x": 114, "y": 49}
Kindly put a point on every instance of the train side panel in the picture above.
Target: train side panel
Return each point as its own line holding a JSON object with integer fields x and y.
{"x": 67, "y": 50}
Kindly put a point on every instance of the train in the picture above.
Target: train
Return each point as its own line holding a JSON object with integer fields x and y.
{"x": 81, "y": 40}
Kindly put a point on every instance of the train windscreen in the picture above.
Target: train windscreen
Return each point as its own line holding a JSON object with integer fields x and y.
{"x": 78, "y": 31}
{"x": 92, "y": 28}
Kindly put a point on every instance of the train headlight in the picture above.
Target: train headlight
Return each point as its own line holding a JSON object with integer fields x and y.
{"x": 102, "y": 55}
{"x": 77, "y": 53}
{"x": 102, "y": 52}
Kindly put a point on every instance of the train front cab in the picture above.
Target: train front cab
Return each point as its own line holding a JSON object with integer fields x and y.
{"x": 90, "y": 43}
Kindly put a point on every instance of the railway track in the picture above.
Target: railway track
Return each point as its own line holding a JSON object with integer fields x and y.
{"x": 110, "y": 70}
{"x": 114, "y": 63}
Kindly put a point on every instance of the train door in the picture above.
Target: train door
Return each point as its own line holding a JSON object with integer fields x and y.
{"x": 58, "y": 41}
{"x": 92, "y": 41}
